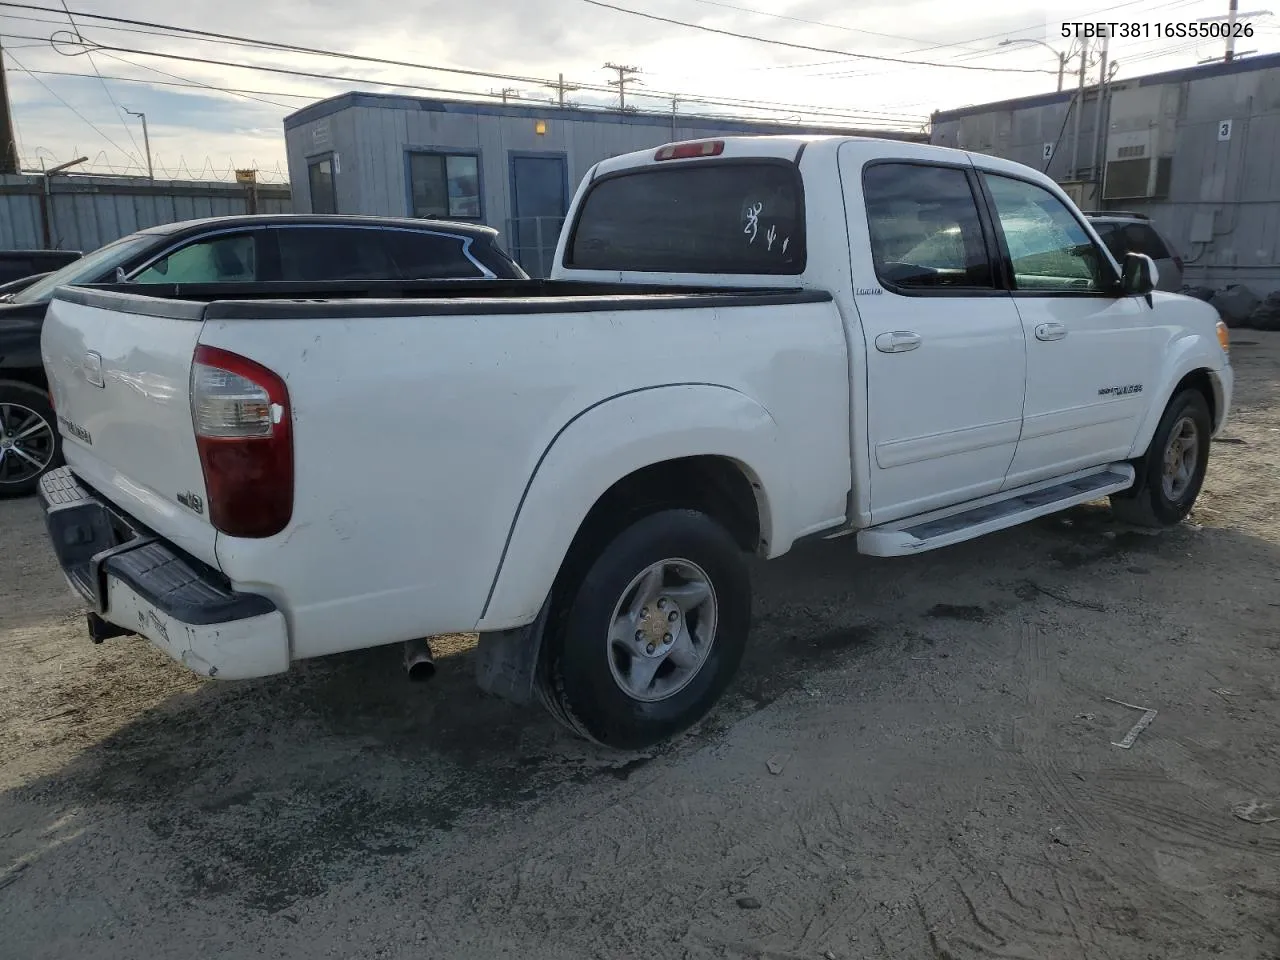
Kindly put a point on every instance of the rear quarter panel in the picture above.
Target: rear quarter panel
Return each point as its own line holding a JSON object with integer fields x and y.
{"x": 416, "y": 439}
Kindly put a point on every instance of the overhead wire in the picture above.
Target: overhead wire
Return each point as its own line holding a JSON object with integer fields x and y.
{"x": 105, "y": 89}
{"x": 801, "y": 46}
{"x": 813, "y": 23}
{"x": 314, "y": 51}
{"x": 96, "y": 129}
{"x": 194, "y": 83}
{"x": 846, "y": 117}
{"x": 286, "y": 71}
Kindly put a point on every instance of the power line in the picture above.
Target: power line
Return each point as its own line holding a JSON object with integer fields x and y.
{"x": 727, "y": 102}
{"x": 813, "y": 23}
{"x": 105, "y": 89}
{"x": 1001, "y": 33}
{"x": 314, "y": 51}
{"x": 194, "y": 85}
{"x": 817, "y": 112}
{"x": 54, "y": 93}
{"x": 804, "y": 46}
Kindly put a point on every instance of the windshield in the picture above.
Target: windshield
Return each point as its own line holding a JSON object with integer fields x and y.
{"x": 85, "y": 270}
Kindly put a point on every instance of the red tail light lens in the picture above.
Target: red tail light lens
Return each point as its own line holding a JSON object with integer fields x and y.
{"x": 243, "y": 426}
{"x": 686, "y": 151}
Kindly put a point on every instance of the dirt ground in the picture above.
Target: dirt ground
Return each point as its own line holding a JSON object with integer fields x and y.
{"x": 917, "y": 761}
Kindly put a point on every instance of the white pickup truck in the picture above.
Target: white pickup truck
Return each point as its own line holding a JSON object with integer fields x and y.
{"x": 747, "y": 343}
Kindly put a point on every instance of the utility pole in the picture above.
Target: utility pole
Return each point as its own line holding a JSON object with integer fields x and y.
{"x": 1096, "y": 162}
{"x": 1232, "y": 16}
{"x": 1075, "y": 125}
{"x": 146, "y": 139}
{"x": 675, "y": 103}
{"x": 625, "y": 76}
{"x": 1233, "y": 10}
{"x": 8, "y": 142}
{"x": 561, "y": 88}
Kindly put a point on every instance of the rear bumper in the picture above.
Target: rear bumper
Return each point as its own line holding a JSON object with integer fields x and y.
{"x": 133, "y": 579}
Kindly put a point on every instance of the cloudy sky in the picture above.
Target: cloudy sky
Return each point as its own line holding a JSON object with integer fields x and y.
{"x": 205, "y": 119}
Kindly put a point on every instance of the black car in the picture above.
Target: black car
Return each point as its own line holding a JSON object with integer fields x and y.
{"x": 20, "y": 264}
{"x": 219, "y": 250}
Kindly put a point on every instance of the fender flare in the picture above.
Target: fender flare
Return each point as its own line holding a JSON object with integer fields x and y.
{"x": 1185, "y": 356}
{"x": 608, "y": 441}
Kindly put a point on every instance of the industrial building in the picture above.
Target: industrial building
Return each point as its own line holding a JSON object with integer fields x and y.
{"x": 1194, "y": 149}
{"x": 511, "y": 167}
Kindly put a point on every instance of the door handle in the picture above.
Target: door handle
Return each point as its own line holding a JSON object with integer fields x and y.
{"x": 899, "y": 341}
{"x": 1051, "y": 331}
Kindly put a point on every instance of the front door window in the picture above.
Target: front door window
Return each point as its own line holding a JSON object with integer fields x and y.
{"x": 1048, "y": 247}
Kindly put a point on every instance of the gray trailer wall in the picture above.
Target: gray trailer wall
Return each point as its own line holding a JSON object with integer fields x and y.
{"x": 1222, "y": 208}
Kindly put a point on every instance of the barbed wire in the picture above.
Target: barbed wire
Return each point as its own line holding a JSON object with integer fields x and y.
{"x": 101, "y": 163}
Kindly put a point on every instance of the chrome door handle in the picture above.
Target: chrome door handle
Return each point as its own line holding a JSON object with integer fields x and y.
{"x": 899, "y": 341}
{"x": 1051, "y": 331}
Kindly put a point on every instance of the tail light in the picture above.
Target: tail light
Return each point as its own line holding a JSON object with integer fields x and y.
{"x": 1177, "y": 262}
{"x": 685, "y": 151}
{"x": 242, "y": 420}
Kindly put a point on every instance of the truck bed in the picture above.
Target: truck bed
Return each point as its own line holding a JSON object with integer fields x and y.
{"x": 427, "y": 456}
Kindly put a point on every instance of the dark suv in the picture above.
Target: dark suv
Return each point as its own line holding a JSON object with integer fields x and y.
{"x": 1124, "y": 232}
{"x": 220, "y": 250}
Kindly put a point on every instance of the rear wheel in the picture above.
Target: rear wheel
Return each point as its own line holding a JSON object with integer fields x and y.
{"x": 1174, "y": 466}
{"x": 653, "y": 632}
{"x": 29, "y": 441}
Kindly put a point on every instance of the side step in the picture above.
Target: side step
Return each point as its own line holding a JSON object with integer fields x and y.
{"x": 942, "y": 528}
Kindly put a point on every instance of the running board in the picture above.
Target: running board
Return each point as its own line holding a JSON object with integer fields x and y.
{"x": 942, "y": 528}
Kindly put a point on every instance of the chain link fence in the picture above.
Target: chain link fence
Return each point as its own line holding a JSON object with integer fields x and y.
{"x": 532, "y": 241}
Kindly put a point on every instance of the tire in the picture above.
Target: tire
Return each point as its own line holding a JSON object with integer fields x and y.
{"x": 1158, "y": 499}
{"x": 593, "y": 679}
{"x": 29, "y": 442}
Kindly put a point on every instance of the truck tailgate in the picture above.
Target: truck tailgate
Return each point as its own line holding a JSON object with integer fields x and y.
{"x": 119, "y": 376}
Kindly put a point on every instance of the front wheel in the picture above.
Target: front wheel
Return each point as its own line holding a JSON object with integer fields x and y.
{"x": 653, "y": 632}
{"x": 29, "y": 441}
{"x": 1174, "y": 466}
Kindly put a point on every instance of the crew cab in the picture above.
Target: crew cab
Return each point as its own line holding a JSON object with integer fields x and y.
{"x": 263, "y": 247}
{"x": 746, "y": 344}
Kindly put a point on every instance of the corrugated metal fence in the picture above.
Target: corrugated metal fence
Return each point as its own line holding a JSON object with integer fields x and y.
{"x": 83, "y": 213}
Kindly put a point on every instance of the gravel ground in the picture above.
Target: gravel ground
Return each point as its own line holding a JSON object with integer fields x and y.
{"x": 917, "y": 761}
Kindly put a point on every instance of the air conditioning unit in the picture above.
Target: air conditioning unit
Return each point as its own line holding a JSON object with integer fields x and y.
{"x": 1140, "y": 138}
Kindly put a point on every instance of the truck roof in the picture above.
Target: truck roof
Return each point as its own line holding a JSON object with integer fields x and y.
{"x": 781, "y": 146}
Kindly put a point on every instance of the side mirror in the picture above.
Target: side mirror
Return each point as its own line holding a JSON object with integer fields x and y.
{"x": 1138, "y": 275}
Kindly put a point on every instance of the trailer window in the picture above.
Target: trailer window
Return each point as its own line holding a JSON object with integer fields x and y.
{"x": 730, "y": 217}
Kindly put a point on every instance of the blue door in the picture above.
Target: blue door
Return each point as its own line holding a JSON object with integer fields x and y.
{"x": 539, "y": 200}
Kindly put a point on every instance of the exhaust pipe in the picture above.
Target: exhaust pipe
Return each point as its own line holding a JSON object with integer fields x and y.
{"x": 418, "y": 661}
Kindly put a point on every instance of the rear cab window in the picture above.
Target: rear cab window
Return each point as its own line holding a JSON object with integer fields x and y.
{"x": 718, "y": 217}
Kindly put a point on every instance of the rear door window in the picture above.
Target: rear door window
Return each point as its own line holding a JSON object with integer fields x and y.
{"x": 924, "y": 228}
{"x": 332, "y": 253}
{"x": 727, "y": 218}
